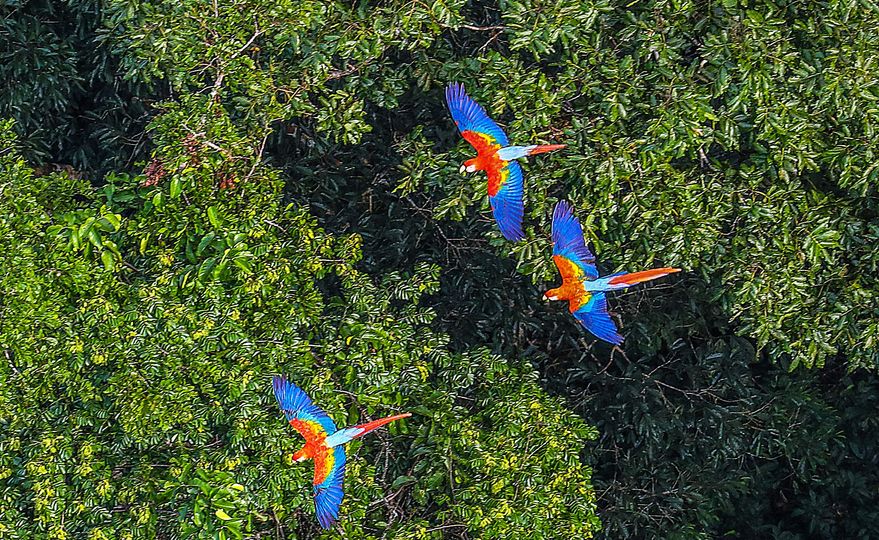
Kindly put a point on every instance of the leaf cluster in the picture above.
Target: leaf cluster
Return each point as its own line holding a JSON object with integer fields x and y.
{"x": 136, "y": 397}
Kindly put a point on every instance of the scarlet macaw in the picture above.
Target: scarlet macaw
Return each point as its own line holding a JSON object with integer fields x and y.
{"x": 496, "y": 158}
{"x": 581, "y": 286}
{"x": 323, "y": 443}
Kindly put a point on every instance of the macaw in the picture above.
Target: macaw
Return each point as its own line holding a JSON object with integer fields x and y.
{"x": 323, "y": 443}
{"x": 581, "y": 286}
{"x": 496, "y": 158}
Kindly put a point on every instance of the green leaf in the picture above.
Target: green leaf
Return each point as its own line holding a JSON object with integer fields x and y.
{"x": 205, "y": 241}
{"x": 243, "y": 264}
{"x": 109, "y": 260}
{"x": 213, "y": 217}
{"x": 95, "y": 238}
{"x": 176, "y": 187}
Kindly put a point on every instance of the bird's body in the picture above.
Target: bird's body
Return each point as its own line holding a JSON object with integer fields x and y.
{"x": 324, "y": 444}
{"x": 496, "y": 157}
{"x": 581, "y": 286}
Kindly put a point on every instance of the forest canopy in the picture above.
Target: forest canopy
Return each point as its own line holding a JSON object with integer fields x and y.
{"x": 199, "y": 195}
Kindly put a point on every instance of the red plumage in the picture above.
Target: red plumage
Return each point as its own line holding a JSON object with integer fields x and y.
{"x": 543, "y": 148}
{"x": 375, "y": 424}
{"x": 645, "y": 275}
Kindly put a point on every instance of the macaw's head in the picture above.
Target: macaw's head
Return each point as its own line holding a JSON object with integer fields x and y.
{"x": 300, "y": 455}
{"x": 469, "y": 166}
{"x": 552, "y": 294}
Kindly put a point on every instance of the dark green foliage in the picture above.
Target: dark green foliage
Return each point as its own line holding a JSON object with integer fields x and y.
{"x": 706, "y": 445}
{"x": 735, "y": 140}
{"x": 703, "y": 136}
{"x": 71, "y": 103}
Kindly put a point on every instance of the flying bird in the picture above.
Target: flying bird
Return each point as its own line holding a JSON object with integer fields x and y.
{"x": 323, "y": 443}
{"x": 581, "y": 286}
{"x": 496, "y": 157}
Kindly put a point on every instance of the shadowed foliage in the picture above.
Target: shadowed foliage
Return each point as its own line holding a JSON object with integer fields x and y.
{"x": 218, "y": 192}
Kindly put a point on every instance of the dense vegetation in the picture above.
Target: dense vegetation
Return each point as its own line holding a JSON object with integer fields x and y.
{"x": 199, "y": 195}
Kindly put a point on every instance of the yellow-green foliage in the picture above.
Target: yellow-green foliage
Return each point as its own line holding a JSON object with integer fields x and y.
{"x": 136, "y": 396}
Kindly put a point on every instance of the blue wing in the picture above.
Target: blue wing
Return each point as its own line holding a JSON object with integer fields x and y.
{"x": 328, "y": 494}
{"x": 594, "y": 316}
{"x": 470, "y": 116}
{"x": 298, "y": 406}
{"x": 508, "y": 204}
{"x": 568, "y": 242}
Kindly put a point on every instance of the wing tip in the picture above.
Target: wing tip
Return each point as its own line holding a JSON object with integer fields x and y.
{"x": 327, "y": 503}
{"x": 454, "y": 92}
{"x": 562, "y": 209}
{"x": 508, "y": 208}
{"x": 279, "y": 382}
{"x": 326, "y": 519}
{"x": 610, "y": 334}
{"x": 510, "y": 227}
{"x": 566, "y": 228}
{"x": 614, "y": 338}
{"x": 513, "y": 235}
{"x": 593, "y": 316}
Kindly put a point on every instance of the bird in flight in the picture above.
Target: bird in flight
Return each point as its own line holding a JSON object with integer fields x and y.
{"x": 496, "y": 157}
{"x": 581, "y": 286}
{"x": 323, "y": 443}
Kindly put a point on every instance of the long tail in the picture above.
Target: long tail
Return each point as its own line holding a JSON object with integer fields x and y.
{"x": 375, "y": 424}
{"x": 543, "y": 148}
{"x": 640, "y": 277}
{"x": 345, "y": 435}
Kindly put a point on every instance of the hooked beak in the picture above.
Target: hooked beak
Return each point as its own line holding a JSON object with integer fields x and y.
{"x": 463, "y": 169}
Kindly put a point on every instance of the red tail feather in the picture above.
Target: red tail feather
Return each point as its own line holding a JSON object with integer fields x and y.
{"x": 640, "y": 277}
{"x": 375, "y": 424}
{"x": 546, "y": 148}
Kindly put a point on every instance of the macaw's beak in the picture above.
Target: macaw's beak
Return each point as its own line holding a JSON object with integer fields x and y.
{"x": 463, "y": 169}
{"x": 298, "y": 456}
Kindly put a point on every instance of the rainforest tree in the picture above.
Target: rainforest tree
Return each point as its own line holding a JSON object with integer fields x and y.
{"x": 140, "y": 327}
{"x": 271, "y": 186}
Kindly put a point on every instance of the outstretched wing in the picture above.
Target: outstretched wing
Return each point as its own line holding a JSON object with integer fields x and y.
{"x": 594, "y": 316}
{"x": 569, "y": 251}
{"x": 329, "y": 473}
{"x": 306, "y": 417}
{"x": 474, "y": 124}
{"x": 505, "y": 193}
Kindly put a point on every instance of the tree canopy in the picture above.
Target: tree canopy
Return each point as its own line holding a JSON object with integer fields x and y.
{"x": 198, "y": 195}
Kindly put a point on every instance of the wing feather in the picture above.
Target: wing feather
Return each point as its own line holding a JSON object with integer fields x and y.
{"x": 594, "y": 317}
{"x": 568, "y": 269}
{"x": 506, "y": 195}
{"x": 568, "y": 243}
{"x": 470, "y": 116}
{"x": 306, "y": 417}
{"x": 328, "y": 491}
